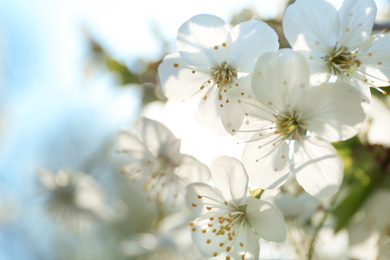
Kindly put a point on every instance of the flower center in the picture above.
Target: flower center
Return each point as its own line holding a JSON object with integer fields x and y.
{"x": 223, "y": 78}
{"x": 224, "y": 75}
{"x": 288, "y": 125}
{"x": 221, "y": 224}
{"x": 342, "y": 61}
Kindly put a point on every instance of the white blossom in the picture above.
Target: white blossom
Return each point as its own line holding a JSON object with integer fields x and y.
{"x": 171, "y": 240}
{"x": 339, "y": 42}
{"x": 375, "y": 130}
{"x": 155, "y": 159}
{"x": 369, "y": 232}
{"x": 229, "y": 220}
{"x": 287, "y": 117}
{"x": 212, "y": 62}
{"x": 74, "y": 199}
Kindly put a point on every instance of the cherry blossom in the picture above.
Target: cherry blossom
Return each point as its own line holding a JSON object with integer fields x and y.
{"x": 212, "y": 62}
{"x": 288, "y": 111}
{"x": 155, "y": 159}
{"x": 339, "y": 42}
{"x": 228, "y": 220}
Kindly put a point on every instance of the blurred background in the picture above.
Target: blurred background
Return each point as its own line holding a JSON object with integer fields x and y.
{"x": 72, "y": 75}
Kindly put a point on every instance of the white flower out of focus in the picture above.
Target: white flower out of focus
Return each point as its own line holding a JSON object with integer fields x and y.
{"x": 340, "y": 43}
{"x": 370, "y": 234}
{"x": 170, "y": 241}
{"x": 375, "y": 130}
{"x": 228, "y": 220}
{"x": 155, "y": 159}
{"x": 288, "y": 116}
{"x": 213, "y": 61}
{"x": 74, "y": 199}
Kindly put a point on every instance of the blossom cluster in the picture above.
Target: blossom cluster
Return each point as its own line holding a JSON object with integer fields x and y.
{"x": 286, "y": 105}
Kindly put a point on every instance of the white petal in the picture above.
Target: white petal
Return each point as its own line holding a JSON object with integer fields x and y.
{"x": 287, "y": 204}
{"x": 131, "y": 144}
{"x": 234, "y": 112}
{"x": 317, "y": 166}
{"x": 311, "y": 24}
{"x": 197, "y": 38}
{"x": 180, "y": 83}
{"x": 244, "y": 114}
{"x": 208, "y": 193}
{"x": 266, "y": 219}
{"x": 279, "y": 79}
{"x": 357, "y": 19}
{"x": 377, "y": 124}
{"x": 158, "y": 138}
{"x": 230, "y": 177}
{"x": 209, "y": 114}
{"x": 362, "y": 87}
{"x": 249, "y": 41}
{"x": 376, "y": 61}
{"x": 318, "y": 68}
{"x": 250, "y": 242}
{"x": 333, "y": 111}
{"x": 267, "y": 164}
{"x": 193, "y": 170}
{"x": 200, "y": 240}
{"x": 310, "y": 205}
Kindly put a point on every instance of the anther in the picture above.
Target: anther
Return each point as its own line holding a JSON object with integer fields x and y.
{"x": 199, "y": 197}
{"x": 208, "y": 208}
{"x": 208, "y": 241}
{"x": 176, "y": 65}
{"x": 194, "y": 205}
{"x": 228, "y": 248}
